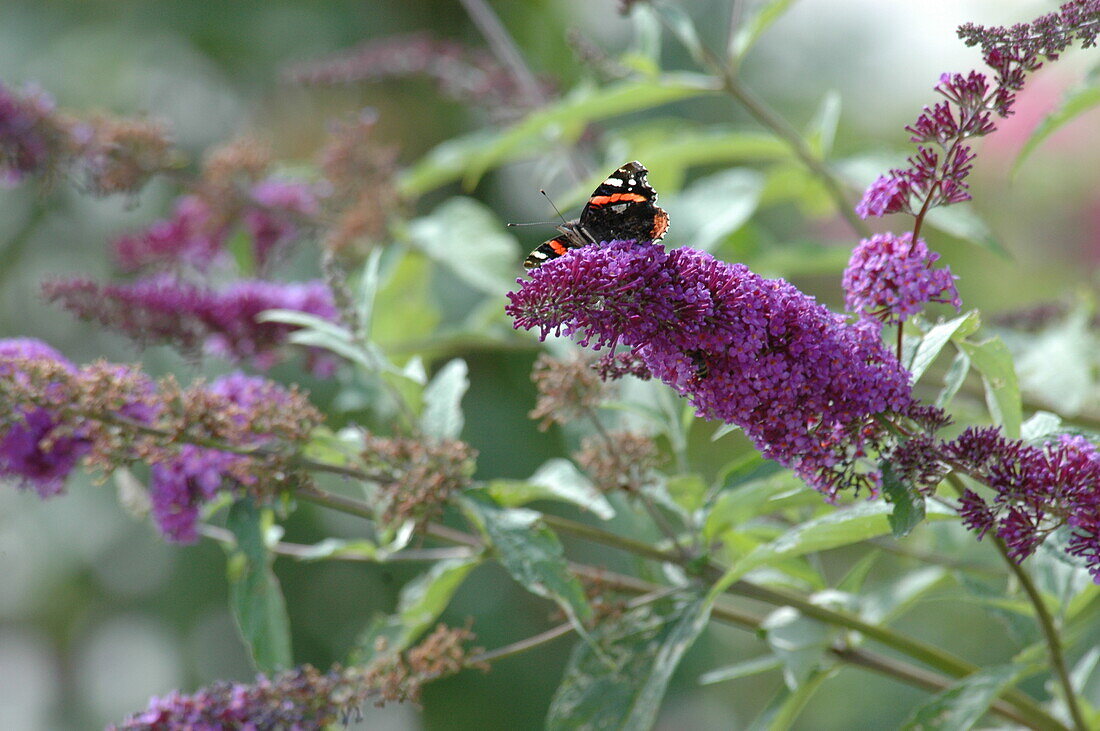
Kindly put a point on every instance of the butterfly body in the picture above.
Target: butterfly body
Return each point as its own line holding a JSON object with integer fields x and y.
{"x": 624, "y": 206}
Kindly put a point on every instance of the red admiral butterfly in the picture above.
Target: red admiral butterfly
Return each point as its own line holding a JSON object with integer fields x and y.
{"x": 623, "y": 207}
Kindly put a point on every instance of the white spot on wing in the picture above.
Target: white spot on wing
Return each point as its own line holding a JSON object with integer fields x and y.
{"x": 615, "y": 182}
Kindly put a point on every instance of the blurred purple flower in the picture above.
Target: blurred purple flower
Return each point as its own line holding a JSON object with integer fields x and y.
{"x": 30, "y": 450}
{"x": 755, "y": 352}
{"x": 189, "y": 238}
{"x": 275, "y": 218}
{"x": 180, "y": 486}
{"x": 166, "y": 310}
{"x": 294, "y": 700}
{"x": 890, "y": 278}
{"x": 31, "y": 138}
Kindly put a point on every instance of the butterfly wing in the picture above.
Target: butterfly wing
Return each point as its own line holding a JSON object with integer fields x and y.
{"x": 624, "y": 206}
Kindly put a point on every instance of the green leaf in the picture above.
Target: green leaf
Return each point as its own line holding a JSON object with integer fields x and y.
{"x": 800, "y": 642}
{"x": 735, "y": 506}
{"x": 488, "y": 261}
{"x": 646, "y": 644}
{"x": 937, "y": 337}
{"x": 688, "y": 491}
{"x": 761, "y": 17}
{"x": 669, "y": 157}
{"x": 564, "y": 120}
{"x": 255, "y": 598}
{"x": 954, "y": 379}
{"x": 1002, "y": 390}
{"x": 442, "y": 417}
{"x": 370, "y": 279}
{"x": 886, "y": 601}
{"x": 821, "y": 132}
{"x": 681, "y": 25}
{"x": 556, "y": 479}
{"x": 963, "y": 704}
{"x": 445, "y": 163}
{"x": 908, "y": 503}
{"x": 841, "y": 527}
{"x": 715, "y": 206}
{"x": 1059, "y": 364}
{"x": 1041, "y": 427}
{"x": 421, "y": 602}
{"x": 531, "y": 553}
{"x": 1075, "y": 103}
{"x": 757, "y": 665}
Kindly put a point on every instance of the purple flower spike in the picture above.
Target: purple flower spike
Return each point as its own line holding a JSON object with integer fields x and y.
{"x": 890, "y": 278}
{"x": 751, "y": 351}
{"x": 30, "y": 451}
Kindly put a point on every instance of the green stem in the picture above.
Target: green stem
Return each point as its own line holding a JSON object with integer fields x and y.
{"x": 1050, "y": 634}
{"x": 782, "y": 129}
{"x": 932, "y": 656}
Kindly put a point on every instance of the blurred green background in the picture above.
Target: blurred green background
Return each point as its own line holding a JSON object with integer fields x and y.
{"x": 97, "y": 613}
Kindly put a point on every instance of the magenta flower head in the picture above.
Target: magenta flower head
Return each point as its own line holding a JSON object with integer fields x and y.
{"x": 755, "y": 352}
{"x": 890, "y": 278}
{"x": 190, "y": 238}
{"x": 31, "y": 451}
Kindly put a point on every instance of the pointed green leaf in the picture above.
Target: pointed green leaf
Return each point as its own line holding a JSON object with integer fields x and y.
{"x": 1075, "y": 103}
{"x": 953, "y": 379}
{"x": 255, "y": 597}
{"x": 908, "y": 503}
{"x": 757, "y": 665}
{"x": 488, "y": 260}
{"x": 421, "y": 602}
{"x": 442, "y": 416}
{"x": 937, "y": 337}
{"x": 1002, "y": 390}
{"x": 565, "y": 119}
{"x": 645, "y": 645}
{"x": 531, "y": 553}
{"x": 758, "y": 20}
{"x": 963, "y": 704}
{"x": 682, "y": 26}
{"x": 715, "y": 206}
{"x": 557, "y": 479}
{"x": 842, "y": 527}
{"x": 798, "y": 641}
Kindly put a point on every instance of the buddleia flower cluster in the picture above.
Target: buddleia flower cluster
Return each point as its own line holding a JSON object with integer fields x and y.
{"x": 802, "y": 382}
{"x": 232, "y": 435}
{"x": 102, "y": 154}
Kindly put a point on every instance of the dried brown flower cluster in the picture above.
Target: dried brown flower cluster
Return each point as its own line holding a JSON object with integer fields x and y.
{"x": 401, "y": 677}
{"x": 364, "y": 192}
{"x": 120, "y": 155}
{"x": 111, "y": 154}
{"x": 620, "y": 461}
{"x": 567, "y": 389}
{"x": 419, "y": 476}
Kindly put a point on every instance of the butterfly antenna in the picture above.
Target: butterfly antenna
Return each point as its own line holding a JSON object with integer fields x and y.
{"x": 530, "y": 223}
{"x": 547, "y": 197}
